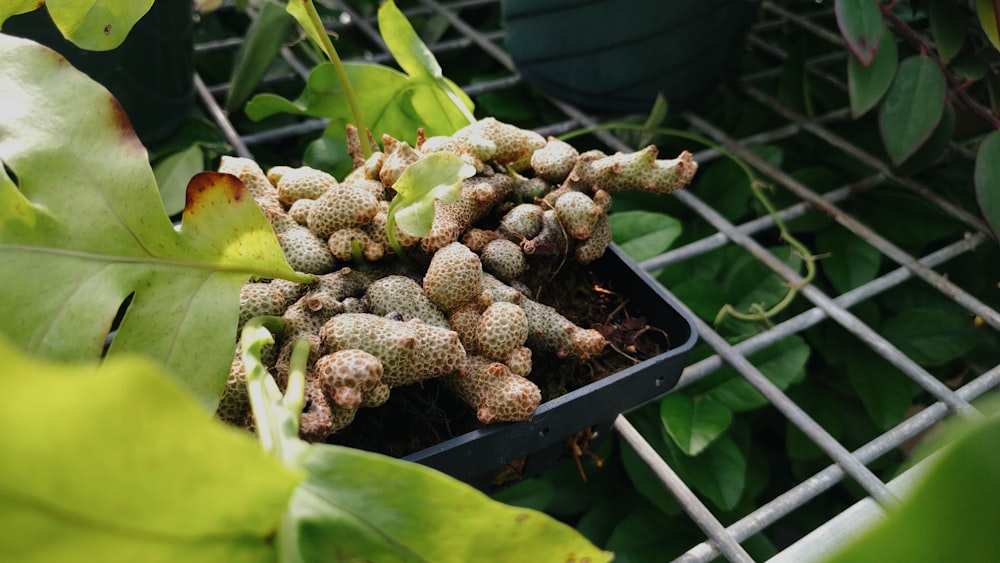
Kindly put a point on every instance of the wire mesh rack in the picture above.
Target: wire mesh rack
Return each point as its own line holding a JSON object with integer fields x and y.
{"x": 817, "y": 308}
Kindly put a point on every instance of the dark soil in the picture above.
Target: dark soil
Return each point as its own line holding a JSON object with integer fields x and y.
{"x": 424, "y": 414}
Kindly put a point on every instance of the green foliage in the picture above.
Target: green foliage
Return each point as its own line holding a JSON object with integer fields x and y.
{"x": 434, "y": 177}
{"x": 389, "y": 101}
{"x": 907, "y": 121}
{"x": 186, "y": 486}
{"x": 885, "y": 392}
{"x": 986, "y": 11}
{"x": 644, "y": 234}
{"x": 97, "y": 25}
{"x": 861, "y": 25}
{"x": 694, "y": 423}
{"x": 83, "y": 229}
{"x": 949, "y": 27}
{"x": 783, "y": 363}
{"x": 261, "y": 44}
{"x": 172, "y": 174}
{"x": 987, "y": 180}
{"x": 363, "y": 505}
{"x": 124, "y": 465}
{"x": 952, "y": 512}
{"x": 848, "y": 261}
{"x": 868, "y": 84}
{"x": 932, "y": 335}
{"x": 947, "y": 64}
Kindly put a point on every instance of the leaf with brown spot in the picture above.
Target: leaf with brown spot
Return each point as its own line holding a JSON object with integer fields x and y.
{"x": 83, "y": 229}
{"x": 97, "y": 25}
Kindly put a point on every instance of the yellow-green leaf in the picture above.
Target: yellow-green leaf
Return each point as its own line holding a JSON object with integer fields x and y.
{"x": 82, "y": 229}
{"x": 365, "y": 506}
{"x": 97, "y": 25}
{"x": 988, "y": 21}
{"x": 419, "y": 63}
{"x": 15, "y": 7}
{"x": 951, "y": 513}
{"x": 437, "y": 176}
{"x": 120, "y": 463}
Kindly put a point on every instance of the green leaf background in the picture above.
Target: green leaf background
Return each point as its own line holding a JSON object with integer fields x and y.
{"x": 987, "y": 180}
{"x": 694, "y": 423}
{"x": 120, "y": 463}
{"x": 907, "y": 120}
{"x": 394, "y": 103}
{"x": 644, "y": 234}
{"x": 866, "y": 85}
{"x": 951, "y": 514}
{"x": 82, "y": 228}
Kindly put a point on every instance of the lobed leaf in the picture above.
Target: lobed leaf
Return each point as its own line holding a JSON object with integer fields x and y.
{"x": 913, "y": 107}
{"x": 124, "y": 465}
{"x": 390, "y": 101}
{"x": 860, "y": 22}
{"x": 83, "y": 229}
{"x": 987, "y": 180}
{"x": 866, "y": 85}
{"x": 173, "y": 173}
{"x": 391, "y": 104}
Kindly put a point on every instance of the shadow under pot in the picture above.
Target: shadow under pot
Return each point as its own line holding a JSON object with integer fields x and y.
{"x": 617, "y": 55}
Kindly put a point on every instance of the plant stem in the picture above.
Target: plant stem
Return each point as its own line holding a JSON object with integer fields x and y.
{"x": 757, "y": 311}
{"x": 331, "y": 53}
{"x": 390, "y": 232}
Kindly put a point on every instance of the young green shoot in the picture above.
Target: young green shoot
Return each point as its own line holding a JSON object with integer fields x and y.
{"x": 304, "y": 11}
{"x": 276, "y": 416}
{"x": 437, "y": 176}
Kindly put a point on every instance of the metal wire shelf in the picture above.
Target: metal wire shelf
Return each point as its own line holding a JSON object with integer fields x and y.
{"x": 817, "y": 22}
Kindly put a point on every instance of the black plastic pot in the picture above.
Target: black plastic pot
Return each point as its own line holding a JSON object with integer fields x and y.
{"x": 475, "y": 456}
{"x": 616, "y": 55}
{"x": 151, "y": 73}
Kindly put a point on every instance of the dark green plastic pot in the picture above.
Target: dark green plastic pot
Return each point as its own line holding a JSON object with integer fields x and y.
{"x": 151, "y": 73}
{"x": 617, "y": 55}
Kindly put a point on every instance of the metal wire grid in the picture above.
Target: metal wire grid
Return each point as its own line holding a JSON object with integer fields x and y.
{"x": 721, "y": 539}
